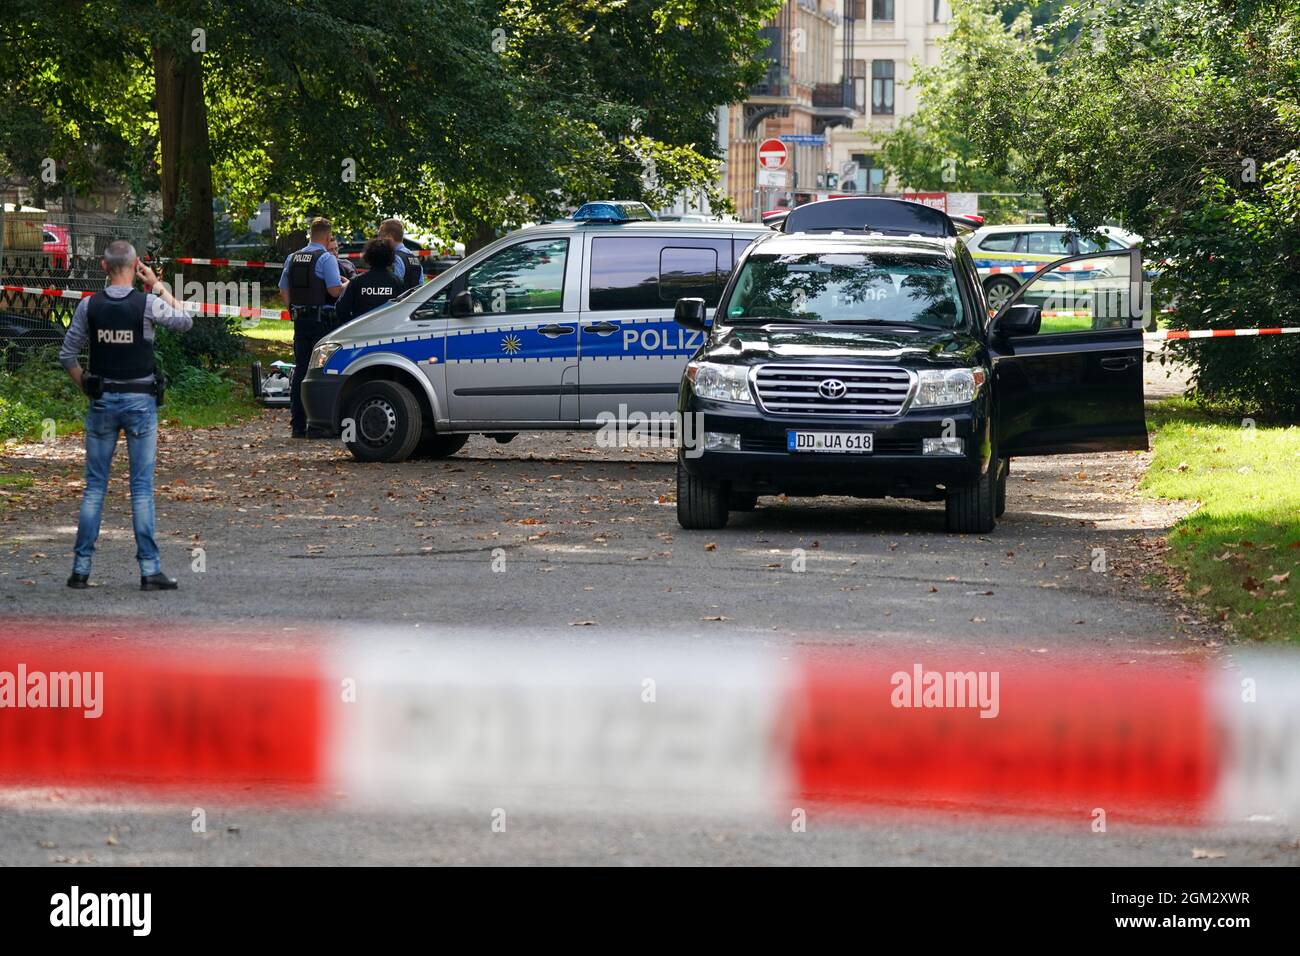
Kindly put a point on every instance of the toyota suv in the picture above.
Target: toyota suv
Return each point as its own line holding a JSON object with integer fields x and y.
{"x": 853, "y": 353}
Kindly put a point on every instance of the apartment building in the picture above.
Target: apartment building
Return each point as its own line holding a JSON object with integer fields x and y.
{"x": 834, "y": 87}
{"x": 887, "y": 39}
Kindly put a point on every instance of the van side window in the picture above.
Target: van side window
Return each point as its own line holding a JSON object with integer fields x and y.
{"x": 639, "y": 272}
{"x": 525, "y": 277}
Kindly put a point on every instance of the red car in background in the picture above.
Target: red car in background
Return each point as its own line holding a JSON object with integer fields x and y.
{"x": 56, "y": 245}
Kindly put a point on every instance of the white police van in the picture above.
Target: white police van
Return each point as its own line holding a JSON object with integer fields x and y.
{"x": 557, "y": 326}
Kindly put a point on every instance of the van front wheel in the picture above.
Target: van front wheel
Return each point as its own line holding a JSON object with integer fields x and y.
{"x": 382, "y": 422}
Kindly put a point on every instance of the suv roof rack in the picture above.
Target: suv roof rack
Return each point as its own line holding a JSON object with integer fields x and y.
{"x": 900, "y": 217}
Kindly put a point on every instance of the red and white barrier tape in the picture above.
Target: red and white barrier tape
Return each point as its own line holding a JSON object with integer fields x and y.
{"x": 663, "y": 728}
{"x": 995, "y": 270}
{"x": 203, "y": 308}
{"x": 267, "y": 264}
{"x": 1171, "y": 335}
{"x": 283, "y": 315}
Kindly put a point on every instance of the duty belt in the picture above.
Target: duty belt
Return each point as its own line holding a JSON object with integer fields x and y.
{"x": 311, "y": 311}
{"x": 140, "y": 388}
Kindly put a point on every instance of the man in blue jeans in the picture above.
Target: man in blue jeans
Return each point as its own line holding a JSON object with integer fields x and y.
{"x": 117, "y": 326}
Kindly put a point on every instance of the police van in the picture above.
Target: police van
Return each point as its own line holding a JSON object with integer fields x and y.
{"x": 556, "y": 326}
{"x": 853, "y": 353}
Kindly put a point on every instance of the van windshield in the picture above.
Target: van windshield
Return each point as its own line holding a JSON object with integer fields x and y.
{"x": 847, "y": 288}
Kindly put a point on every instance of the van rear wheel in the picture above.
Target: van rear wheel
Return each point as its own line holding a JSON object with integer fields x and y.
{"x": 701, "y": 503}
{"x": 386, "y": 422}
{"x": 440, "y": 446}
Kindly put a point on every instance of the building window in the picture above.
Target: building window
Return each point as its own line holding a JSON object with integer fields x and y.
{"x": 882, "y": 9}
{"x": 938, "y": 11}
{"x": 868, "y": 176}
{"x": 882, "y": 87}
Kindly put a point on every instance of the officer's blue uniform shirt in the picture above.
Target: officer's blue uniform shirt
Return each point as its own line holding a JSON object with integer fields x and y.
{"x": 327, "y": 267}
{"x": 399, "y": 267}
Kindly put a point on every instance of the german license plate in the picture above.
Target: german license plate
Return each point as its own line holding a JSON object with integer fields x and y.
{"x": 858, "y": 443}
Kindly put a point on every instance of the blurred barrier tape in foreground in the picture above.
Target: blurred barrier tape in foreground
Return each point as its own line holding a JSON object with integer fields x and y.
{"x": 657, "y": 727}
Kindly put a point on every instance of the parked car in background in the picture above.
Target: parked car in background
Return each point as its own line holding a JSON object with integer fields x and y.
{"x": 55, "y": 245}
{"x": 1007, "y": 256}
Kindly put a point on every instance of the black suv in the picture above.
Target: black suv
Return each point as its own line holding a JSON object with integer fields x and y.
{"x": 853, "y": 354}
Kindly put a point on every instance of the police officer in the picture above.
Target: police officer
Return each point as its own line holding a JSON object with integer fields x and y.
{"x": 406, "y": 266}
{"x": 347, "y": 271}
{"x": 376, "y": 287}
{"x": 310, "y": 282}
{"x": 117, "y": 325}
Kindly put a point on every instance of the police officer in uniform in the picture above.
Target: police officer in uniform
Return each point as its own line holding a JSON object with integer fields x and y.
{"x": 117, "y": 325}
{"x": 373, "y": 289}
{"x": 406, "y": 266}
{"x": 310, "y": 282}
{"x": 347, "y": 271}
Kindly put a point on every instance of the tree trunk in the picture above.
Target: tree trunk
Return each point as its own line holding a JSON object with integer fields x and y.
{"x": 186, "y": 157}
{"x": 482, "y": 235}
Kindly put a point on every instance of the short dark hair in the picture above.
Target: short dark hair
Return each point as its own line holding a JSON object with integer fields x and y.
{"x": 321, "y": 227}
{"x": 378, "y": 254}
{"x": 393, "y": 228}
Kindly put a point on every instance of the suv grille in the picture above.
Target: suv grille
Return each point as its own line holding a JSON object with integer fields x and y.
{"x": 867, "y": 393}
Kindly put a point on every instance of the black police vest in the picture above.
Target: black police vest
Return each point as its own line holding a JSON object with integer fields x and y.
{"x": 118, "y": 348}
{"x": 374, "y": 289}
{"x": 305, "y": 286}
{"x": 411, "y": 263}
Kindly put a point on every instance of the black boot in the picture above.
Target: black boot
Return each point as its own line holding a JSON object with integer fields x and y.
{"x": 78, "y": 581}
{"x": 157, "y": 582}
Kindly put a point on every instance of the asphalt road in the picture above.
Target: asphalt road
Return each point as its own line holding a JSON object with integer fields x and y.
{"x": 297, "y": 538}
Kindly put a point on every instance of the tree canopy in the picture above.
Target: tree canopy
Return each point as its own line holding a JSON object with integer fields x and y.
{"x": 1179, "y": 119}
{"x": 462, "y": 115}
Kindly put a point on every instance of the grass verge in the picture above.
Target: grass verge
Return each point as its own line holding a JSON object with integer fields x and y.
{"x": 39, "y": 396}
{"x": 1240, "y": 550}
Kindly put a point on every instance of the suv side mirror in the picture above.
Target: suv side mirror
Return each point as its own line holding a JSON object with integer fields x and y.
{"x": 691, "y": 314}
{"x": 1021, "y": 319}
{"x": 462, "y": 305}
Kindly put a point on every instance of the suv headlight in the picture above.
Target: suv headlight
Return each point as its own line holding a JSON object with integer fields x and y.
{"x": 952, "y": 386}
{"x": 321, "y": 354}
{"x": 721, "y": 383}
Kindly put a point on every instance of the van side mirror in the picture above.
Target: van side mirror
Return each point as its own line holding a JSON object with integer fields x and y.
{"x": 691, "y": 314}
{"x": 1021, "y": 319}
{"x": 462, "y": 305}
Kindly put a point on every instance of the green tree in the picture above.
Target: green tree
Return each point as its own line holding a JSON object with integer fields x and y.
{"x": 1181, "y": 120}
{"x": 463, "y": 115}
{"x": 934, "y": 149}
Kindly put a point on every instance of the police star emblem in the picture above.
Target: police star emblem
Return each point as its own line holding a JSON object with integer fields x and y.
{"x": 510, "y": 344}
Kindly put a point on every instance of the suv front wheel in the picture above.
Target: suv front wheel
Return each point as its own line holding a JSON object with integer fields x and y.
{"x": 973, "y": 509}
{"x": 701, "y": 504}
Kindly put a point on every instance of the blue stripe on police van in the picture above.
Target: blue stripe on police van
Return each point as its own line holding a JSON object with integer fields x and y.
{"x": 638, "y": 338}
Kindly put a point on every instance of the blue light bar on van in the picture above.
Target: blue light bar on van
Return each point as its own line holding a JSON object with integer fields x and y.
{"x": 898, "y": 217}
{"x": 614, "y": 210}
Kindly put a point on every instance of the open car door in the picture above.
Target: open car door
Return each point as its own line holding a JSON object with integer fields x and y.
{"x": 1067, "y": 358}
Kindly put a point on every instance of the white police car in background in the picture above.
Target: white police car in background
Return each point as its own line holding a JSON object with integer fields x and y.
{"x": 556, "y": 326}
{"x": 1007, "y": 256}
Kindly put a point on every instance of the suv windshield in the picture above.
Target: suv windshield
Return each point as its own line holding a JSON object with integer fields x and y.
{"x": 880, "y": 288}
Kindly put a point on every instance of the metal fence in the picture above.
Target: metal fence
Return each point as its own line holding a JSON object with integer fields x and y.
{"x": 52, "y": 250}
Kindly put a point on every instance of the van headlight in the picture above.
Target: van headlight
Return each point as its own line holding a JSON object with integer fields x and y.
{"x": 951, "y": 386}
{"x": 720, "y": 383}
{"x": 321, "y": 354}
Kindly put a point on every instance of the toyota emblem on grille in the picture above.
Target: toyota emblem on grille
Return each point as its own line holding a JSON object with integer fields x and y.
{"x": 832, "y": 388}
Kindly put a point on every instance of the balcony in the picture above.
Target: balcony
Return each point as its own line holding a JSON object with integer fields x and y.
{"x": 838, "y": 104}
